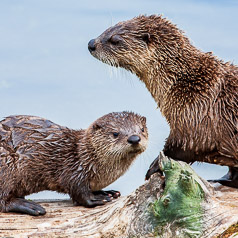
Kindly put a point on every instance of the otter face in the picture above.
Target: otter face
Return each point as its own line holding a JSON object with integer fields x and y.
{"x": 119, "y": 136}
{"x": 123, "y": 45}
{"x": 136, "y": 44}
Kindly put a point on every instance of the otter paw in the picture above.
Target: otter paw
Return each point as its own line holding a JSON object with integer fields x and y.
{"x": 154, "y": 168}
{"x": 21, "y": 205}
{"x": 110, "y": 193}
{"x": 230, "y": 179}
{"x": 103, "y": 197}
{"x": 224, "y": 182}
{"x": 97, "y": 201}
{"x": 93, "y": 200}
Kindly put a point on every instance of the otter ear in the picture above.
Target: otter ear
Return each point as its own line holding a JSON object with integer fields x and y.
{"x": 97, "y": 126}
{"x": 143, "y": 119}
{"x": 146, "y": 38}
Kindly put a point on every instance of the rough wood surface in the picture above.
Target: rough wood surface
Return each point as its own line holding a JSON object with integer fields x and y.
{"x": 124, "y": 217}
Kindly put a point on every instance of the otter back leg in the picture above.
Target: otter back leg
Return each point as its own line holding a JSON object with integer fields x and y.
{"x": 24, "y": 206}
{"x": 110, "y": 193}
{"x": 230, "y": 179}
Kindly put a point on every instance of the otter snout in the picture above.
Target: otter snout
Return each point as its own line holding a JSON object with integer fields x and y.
{"x": 91, "y": 45}
{"x": 134, "y": 140}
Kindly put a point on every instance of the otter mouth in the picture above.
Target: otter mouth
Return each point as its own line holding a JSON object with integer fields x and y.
{"x": 135, "y": 149}
{"x": 103, "y": 55}
{"x": 107, "y": 60}
{"x": 117, "y": 64}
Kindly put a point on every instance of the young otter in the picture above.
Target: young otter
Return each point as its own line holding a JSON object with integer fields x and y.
{"x": 195, "y": 91}
{"x": 36, "y": 155}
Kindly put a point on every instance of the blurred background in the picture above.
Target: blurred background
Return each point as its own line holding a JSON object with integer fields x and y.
{"x": 46, "y": 69}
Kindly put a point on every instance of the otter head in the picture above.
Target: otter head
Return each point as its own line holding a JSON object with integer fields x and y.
{"x": 118, "y": 135}
{"x": 141, "y": 45}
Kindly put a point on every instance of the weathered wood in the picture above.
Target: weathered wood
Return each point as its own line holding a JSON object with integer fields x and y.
{"x": 134, "y": 215}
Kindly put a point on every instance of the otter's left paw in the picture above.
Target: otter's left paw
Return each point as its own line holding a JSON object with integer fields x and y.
{"x": 109, "y": 193}
{"x": 94, "y": 201}
{"x": 25, "y": 206}
{"x": 230, "y": 179}
{"x": 154, "y": 168}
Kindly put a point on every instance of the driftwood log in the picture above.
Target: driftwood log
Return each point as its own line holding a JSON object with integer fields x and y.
{"x": 179, "y": 205}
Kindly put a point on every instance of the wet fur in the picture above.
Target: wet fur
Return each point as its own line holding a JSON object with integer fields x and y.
{"x": 37, "y": 154}
{"x": 195, "y": 91}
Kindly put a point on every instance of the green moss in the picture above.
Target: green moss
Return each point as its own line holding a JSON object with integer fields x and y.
{"x": 181, "y": 200}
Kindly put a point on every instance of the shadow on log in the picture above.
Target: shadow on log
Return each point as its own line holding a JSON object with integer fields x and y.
{"x": 186, "y": 206}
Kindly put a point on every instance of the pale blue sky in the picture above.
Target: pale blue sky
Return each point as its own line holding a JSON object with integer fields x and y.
{"x": 46, "y": 69}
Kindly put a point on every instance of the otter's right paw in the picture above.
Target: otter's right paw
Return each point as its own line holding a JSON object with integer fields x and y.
{"x": 109, "y": 193}
{"x": 91, "y": 203}
{"x": 154, "y": 168}
{"x": 93, "y": 200}
{"x": 24, "y": 206}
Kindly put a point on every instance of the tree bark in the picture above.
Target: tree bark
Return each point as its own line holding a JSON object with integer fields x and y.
{"x": 183, "y": 206}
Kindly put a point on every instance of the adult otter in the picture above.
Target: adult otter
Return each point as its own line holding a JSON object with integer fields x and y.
{"x": 36, "y": 155}
{"x": 195, "y": 91}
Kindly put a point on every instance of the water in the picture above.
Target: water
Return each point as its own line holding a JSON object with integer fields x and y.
{"x": 46, "y": 69}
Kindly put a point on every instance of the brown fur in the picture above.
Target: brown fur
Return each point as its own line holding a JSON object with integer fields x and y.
{"x": 36, "y": 155}
{"x": 195, "y": 91}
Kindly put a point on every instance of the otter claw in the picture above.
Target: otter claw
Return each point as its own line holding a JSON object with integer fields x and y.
{"x": 230, "y": 179}
{"x": 110, "y": 193}
{"x": 154, "y": 168}
{"x": 97, "y": 201}
{"x": 113, "y": 193}
{"x": 102, "y": 197}
{"x": 229, "y": 183}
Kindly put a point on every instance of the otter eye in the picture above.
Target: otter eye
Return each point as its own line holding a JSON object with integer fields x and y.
{"x": 115, "y": 134}
{"x": 115, "y": 39}
{"x": 142, "y": 129}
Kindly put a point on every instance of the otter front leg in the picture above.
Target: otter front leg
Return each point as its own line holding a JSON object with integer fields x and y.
{"x": 230, "y": 179}
{"x": 21, "y": 205}
{"x": 154, "y": 168}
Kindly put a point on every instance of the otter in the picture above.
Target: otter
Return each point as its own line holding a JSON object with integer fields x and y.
{"x": 37, "y": 154}
{"x": 195, "y": 91}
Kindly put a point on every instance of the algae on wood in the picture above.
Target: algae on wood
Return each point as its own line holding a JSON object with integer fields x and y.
{"x": 181, "y": 201}
{"x": 186, "y": 207}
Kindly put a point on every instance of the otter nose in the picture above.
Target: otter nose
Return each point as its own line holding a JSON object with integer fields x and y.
{"x": 91, "y": 45}
{"x": 133, "y": 140}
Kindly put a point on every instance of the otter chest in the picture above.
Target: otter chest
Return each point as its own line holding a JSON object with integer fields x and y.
{"x": 105, "y": 175}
